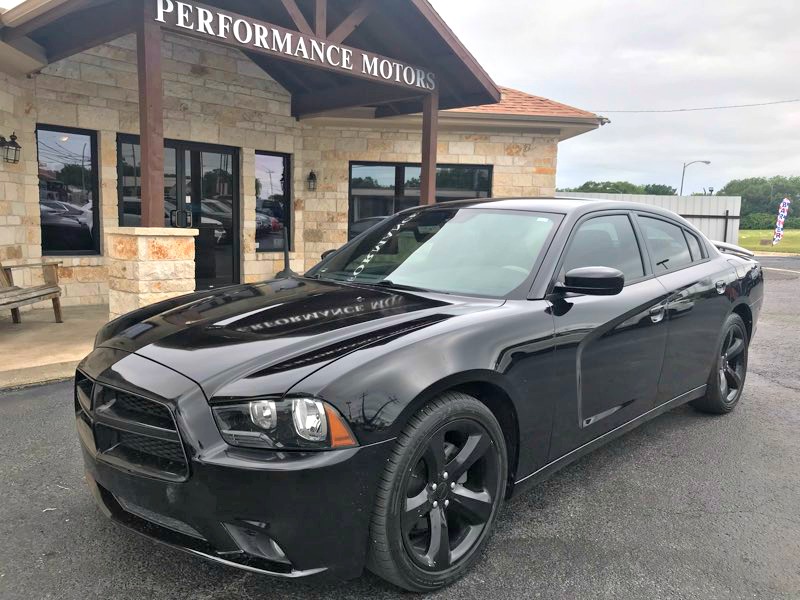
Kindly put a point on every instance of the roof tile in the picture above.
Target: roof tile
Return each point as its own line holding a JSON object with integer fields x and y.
{"x": 515, "y": 102}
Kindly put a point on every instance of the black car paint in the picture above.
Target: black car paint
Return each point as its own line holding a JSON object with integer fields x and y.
{"x": 574, "y": 371}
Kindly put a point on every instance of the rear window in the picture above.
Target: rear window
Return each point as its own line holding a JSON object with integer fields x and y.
{"x": 694, "y": 246}
{"x": 667, "y": 244}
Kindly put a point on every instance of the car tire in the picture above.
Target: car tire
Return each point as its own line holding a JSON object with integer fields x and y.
{"x": 726, "y": 381}
{"x": 420, "y": 504}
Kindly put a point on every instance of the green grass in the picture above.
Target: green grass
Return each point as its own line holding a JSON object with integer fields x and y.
{"x": 751, "y": 239}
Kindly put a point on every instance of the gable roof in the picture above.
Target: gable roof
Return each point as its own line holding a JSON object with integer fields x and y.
{"x": 515, "y": 102}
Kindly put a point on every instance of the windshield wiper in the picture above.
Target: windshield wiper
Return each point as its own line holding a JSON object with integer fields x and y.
{"x": 388, "y": 283}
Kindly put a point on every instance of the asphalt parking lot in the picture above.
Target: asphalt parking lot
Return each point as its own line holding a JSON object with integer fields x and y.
{"x": 687, "y": 506}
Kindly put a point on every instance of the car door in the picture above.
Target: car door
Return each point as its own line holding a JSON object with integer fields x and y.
{"x": 609, "y": 349}
{"x": 697, "y": 304}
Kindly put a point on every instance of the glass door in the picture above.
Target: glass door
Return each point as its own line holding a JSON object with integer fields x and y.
{"x": 200, "y": 191}
{"x": 214, "y": 213}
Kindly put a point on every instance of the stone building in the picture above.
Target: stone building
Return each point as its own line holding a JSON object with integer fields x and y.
{"x": 243, "y": 171}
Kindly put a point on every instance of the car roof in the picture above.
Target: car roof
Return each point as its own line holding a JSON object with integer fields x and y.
{"x": 562, "y": 205}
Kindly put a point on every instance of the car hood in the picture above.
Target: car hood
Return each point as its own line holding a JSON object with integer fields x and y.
{"x": 279, "y": 332}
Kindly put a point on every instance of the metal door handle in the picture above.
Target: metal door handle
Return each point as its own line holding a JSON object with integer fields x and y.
{"x": 720, "y": 285}
{"x": 657, "y": 314}
{"x": 180, "y": 218}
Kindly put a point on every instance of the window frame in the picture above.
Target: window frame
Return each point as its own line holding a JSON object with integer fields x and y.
{"x": 95, "y": 188}
{"x": 289, "y": 198}
{"x": 648, "y": 215}
{"x": 644, "y": 254}
{"x": 700, "y": 246}
{"x": 399, "y": 179}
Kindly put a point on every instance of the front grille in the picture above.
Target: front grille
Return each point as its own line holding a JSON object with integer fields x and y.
{"x": 130, "y": 431}
{"x": 161, "y": 449}
{"x": 133, "y": 408}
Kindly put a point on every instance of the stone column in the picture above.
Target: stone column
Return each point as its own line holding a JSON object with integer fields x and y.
{"x": 147, "y": 265}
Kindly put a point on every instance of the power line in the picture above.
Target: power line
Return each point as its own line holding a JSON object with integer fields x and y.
{"x": 674, "y": 110}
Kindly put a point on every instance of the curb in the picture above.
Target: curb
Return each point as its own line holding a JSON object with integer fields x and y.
{"x": 41, "y": 374}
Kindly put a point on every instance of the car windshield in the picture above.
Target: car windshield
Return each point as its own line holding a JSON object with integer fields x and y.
{"x": 469, "y": 251}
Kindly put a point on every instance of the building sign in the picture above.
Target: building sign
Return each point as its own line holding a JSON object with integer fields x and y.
{"x": 222, "y": 26}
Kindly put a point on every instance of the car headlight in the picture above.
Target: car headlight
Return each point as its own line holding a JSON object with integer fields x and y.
{"x": 302, "y": 423}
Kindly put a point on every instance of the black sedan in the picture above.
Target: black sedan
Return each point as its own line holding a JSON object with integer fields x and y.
{"x": 377, "y": 411}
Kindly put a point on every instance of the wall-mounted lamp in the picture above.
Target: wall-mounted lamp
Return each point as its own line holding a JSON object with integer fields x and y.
{"x": 311, "y": 181}
{"x": 10, "y": 149}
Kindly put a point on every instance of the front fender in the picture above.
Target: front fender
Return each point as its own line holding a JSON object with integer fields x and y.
{"x": 378, "y": 389}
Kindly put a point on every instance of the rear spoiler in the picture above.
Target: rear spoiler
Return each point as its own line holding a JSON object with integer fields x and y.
{"x": 726, "y": 248}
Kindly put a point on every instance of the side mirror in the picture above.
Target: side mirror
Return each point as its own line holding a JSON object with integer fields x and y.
{"x": 326, "y": 254}
{"x": 593, "y": 281}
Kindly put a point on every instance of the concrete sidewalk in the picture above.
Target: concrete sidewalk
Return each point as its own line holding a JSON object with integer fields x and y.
{"x": 39, "y": 349}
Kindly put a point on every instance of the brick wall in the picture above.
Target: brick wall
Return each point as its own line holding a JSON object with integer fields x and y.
{"x": 216, "y": 95}
{"x": 19, "y": 222}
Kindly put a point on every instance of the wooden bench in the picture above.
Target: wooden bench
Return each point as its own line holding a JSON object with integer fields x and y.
{"x": 12, "y": 296}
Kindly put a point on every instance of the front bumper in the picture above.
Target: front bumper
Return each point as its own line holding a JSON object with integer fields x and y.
{"x": 286, "y": 514}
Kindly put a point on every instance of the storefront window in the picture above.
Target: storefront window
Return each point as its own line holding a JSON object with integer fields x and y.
{"x": 380, "y": 190}
{"x": 372, "y": 195}
{"x": 68, "y": 190}
{"x": 462, "y": 182}
{"x": 273, "y": 203}
{"x": 130, "y": 181}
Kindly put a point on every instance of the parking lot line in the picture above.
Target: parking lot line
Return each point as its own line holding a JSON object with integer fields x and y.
{"x": 782, "y": 270}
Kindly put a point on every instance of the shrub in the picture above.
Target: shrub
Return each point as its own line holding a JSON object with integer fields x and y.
{"x": 767, "y": 221}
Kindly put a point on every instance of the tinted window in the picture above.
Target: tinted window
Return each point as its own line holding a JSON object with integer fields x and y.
{"x": 129, "y": 172}
{"x": 272, "y": 201}
{"x": 468, "y": 251}
{"x": 381, "y": 190}
{"x": 667, "y": 244}
{"x": 453, "y": 182}
{"x": 694, "y": 246}
{"x": 67, "y": 191}
{"x": 606, "y": 242}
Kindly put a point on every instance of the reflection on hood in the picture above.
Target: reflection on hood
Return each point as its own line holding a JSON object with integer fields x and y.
{"x": 351, "y": 313}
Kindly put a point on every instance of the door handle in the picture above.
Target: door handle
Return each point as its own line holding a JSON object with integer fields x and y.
{"x": 180, "y": 218}
{"x": 657, "y": 314}
{"x": 720, "y": 285}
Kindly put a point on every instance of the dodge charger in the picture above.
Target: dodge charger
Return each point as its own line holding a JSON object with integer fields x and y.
{"x": 377, "y": 411}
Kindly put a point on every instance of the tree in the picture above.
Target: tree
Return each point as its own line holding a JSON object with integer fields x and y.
{"x": 75, "y": 176}
{"x": 659, "y": 189}
{"x": 762, "y": 194}
{"x": 608, "y": 187}
{"x": 767, "y": 221}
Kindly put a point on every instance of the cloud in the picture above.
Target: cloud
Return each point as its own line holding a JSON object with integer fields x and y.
{"x": 628, "y": 55}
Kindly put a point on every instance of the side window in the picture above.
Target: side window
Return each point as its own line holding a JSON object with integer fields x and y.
{"x": 606, "y": 241}
{"x": 667, "y": 244}
{"x": 694, "y": 246}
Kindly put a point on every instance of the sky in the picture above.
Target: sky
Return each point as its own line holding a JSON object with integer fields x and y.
{"x": 604, "y": 55}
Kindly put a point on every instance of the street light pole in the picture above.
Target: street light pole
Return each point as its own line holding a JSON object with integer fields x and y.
{"x": 683, "y": 175}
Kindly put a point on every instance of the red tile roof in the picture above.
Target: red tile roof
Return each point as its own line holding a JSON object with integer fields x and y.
{"x": 514, "y": 102}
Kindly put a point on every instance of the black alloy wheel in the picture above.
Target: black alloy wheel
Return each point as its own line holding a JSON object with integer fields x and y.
{"x": 726, "y": 382}
{"x": 450, "y": 494}
{"x": 732, "y": 365}
{"x": 440, "y": 494}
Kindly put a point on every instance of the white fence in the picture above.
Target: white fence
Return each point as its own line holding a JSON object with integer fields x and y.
{"x": 715, "y": 216}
